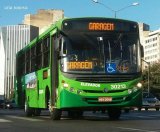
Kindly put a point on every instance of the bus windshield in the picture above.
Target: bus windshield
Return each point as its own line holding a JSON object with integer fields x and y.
{"x": 101, "y": 53}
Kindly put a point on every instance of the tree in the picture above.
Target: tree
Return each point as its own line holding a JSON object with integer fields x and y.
{"x": 154, "y": 76}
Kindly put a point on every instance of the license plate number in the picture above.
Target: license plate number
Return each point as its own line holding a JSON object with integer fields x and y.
{"x": 105, "y": 99}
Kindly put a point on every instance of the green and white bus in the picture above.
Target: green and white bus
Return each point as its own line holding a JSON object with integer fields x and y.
{"x": 81, "y": 64}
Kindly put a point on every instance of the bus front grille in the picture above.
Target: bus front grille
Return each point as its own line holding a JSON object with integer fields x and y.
{"x": 102, "y": 91}
{"x": 107, "y": 79}
{"x": 102, "y": 78}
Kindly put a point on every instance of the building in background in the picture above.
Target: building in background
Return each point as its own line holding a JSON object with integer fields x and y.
{"x": 152, "y": 47}
{"x": 151, "y": 44}
{"x": 144, "y": 30}
{"x": 43, "y": 19}
{"x": 12, "y": 39}
{"x": 15, "y": 37}
{"x": 2, "y": 60}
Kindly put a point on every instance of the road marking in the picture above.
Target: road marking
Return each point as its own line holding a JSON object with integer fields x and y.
{"x": 25, "y": 118}
{"x": 133, "y": 129}
{"x": 4, "y": 120}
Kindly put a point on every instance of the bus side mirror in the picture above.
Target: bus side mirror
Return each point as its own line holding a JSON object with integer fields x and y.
{"x": 142, "y": 51}
{"x": 63, "y": 49}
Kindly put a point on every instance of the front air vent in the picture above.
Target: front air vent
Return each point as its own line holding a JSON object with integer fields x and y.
{"x": 105, "y": 79}
{"x": 102, "y": 91}
{"x": 91, "y": 78}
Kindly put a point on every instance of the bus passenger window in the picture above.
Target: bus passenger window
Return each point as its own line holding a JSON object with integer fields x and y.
{"x": 22, "y": 61}
{"x": 27, "y": 61}
{"x": 46, "y": 51}
{"x": 39, "y": 55}
{"x": 33, "y": 58}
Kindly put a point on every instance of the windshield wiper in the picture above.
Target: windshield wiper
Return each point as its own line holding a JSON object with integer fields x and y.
{"x": 110, "y": 54}
{"x": 101, "y": 48}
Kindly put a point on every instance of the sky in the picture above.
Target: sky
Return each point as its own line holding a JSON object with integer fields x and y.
{"x": 148, "y": 11}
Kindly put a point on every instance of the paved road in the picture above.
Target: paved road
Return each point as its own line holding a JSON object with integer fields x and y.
{"x": 144, "y": 121}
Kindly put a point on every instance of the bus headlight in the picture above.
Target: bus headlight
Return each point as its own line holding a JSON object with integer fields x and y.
{"x": 129, "y": 91}
{"x": 65, "y": 85}
{"x": 135, "y": 89}
{"x": 139, "y": 85}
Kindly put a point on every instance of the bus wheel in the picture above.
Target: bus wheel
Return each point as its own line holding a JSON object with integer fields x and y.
{"x": 75, "y": 114}
{"x": 37, "y": 112}
{"x": 28, "y": 111}
{"x": 56, "y": 114}
{"x": 114, "y": 113}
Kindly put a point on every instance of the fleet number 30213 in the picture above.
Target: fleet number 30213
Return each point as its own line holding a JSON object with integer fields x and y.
{"x": 118, "y": 86}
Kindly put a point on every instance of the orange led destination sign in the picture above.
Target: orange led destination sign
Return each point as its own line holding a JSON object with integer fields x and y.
{"x": 101, "y": 26}
{"x": 83, "y": 65}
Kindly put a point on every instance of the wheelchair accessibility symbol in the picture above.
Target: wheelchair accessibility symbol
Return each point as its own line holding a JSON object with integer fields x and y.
{"x": 111, "y": 68}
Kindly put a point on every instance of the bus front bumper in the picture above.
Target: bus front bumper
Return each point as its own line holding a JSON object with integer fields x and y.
{"x": 71, "y": 100}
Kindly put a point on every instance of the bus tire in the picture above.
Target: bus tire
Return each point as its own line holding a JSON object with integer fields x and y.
{"x": 28, "y": 111}
{"x": 114, "y": 113}
{"x": 56, "y": 114}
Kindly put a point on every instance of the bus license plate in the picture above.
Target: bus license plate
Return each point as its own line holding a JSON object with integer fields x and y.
{"x": 105, "y": 99}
